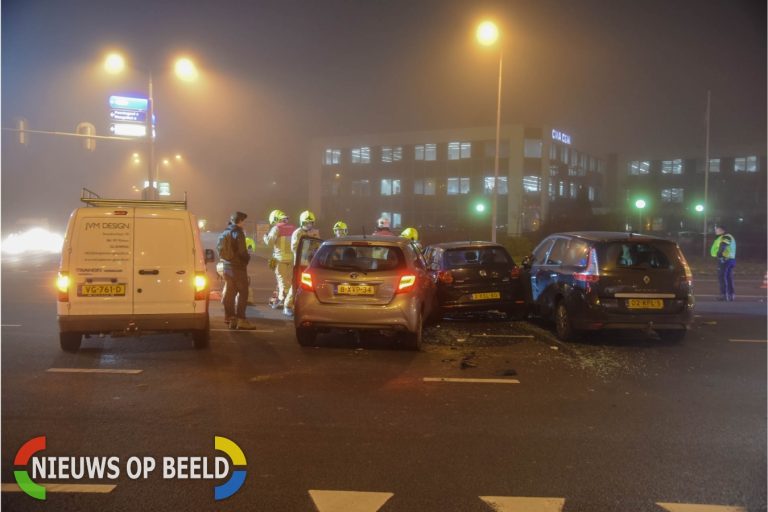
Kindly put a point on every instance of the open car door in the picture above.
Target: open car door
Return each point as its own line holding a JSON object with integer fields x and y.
{"x": 306, "y": 249}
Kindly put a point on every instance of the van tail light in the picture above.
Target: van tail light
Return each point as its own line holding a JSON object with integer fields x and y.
{"x": 407, "y": 283}
{"x": 201, "y": 286}
{"x": 62, "y": 285}
{"x": 306, "y": 282}
{"x": 445, "y": 276}
{"x": 591, "y": 274}
{"x": 514, "y": 273}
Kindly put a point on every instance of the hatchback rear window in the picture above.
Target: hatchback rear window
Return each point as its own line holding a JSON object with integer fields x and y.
{"x": 476, "y": 256}
{"x": 639, "y": 255}
{"x": 363, "y": 258}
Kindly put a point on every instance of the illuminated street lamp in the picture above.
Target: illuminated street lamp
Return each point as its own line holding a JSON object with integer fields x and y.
{"x": 185, "y": 70}
{"x": 699, "y": 208}
{"x": 487, "y": 34}
{"x": 640, "y": 204}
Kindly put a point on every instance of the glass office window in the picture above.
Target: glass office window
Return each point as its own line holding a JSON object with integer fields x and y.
{"x": 361, "y": 155}
{"x": 332, "y": 156}
{"x": 672, "y": 195}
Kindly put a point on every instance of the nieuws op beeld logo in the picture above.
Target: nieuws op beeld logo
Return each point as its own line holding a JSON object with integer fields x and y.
{"x": 32, "y": 467}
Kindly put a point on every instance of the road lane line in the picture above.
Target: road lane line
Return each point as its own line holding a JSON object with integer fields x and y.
{"x": 503, "y": 335}
{"x": 748, "y": 341}
{"x": 474, "y": 381}
{"x": 10, "y": 325}
{"x": 695, "y": 507}
{"x": 349, "y": 501}
{"x": 244, "y": 330}
{"x": 524, "y": 504}
{"x": 738, "y": 296}
{"x": 92, "y": 370}
{"x": 89, "y": 488}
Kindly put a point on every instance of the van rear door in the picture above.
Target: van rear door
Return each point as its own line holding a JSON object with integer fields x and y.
{"x": 164, "y": 265}
{"x": 101, "y": 261}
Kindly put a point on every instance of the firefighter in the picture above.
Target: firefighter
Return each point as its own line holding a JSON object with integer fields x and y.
{"x": 413, "y": 235}
{"x": 340, "y": 229}
{"x": 306, "y": 228}
{"x": 279, "y": 238}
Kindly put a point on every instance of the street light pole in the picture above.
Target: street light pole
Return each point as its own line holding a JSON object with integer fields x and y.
{"x": 495, "y": 207}
{"x": 706, "y": 183}
{"x": 151, "y": 192}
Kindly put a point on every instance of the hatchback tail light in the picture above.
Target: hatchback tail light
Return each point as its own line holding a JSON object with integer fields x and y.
{"x": 407, "y": 282}
{"x": 591, "y": 274}
{"x": 306, "y": 281}
{"x": 201, "y": 286}
{"x": 445, "y": 276}
{"x": 62, "y": 285}
{"x": 514, "y": 273}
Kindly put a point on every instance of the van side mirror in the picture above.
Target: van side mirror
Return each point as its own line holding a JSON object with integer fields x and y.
{"x": 527, "y": 262}
{"x": 210, "y": 256}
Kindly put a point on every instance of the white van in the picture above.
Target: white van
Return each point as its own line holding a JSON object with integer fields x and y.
{"x": 130, "y": 267}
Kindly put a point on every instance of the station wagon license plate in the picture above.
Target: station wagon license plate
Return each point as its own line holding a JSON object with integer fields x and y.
{"x": 101, "y": 290}
{"x": 354, "y": 289}
{"x": 645, "y": 304}
{"x": 486, "y": 295}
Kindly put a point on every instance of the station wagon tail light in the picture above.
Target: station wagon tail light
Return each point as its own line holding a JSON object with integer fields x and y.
{"x": 445, "y": 276}
{"x": 306, "y": 281}
{"x": 514, "y": 272}
{"x": 592, "y": 273}
{"x": 62, "y": 285}
{"x": 406, "y": 283}
{"x": 201, "y": 286}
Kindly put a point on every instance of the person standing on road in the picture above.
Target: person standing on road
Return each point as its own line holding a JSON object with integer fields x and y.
{"x": 234, "y": 256}
{"x": 724, "y": 249}
{"x": 279, "y": 238}
{"x": 382, "y": 228}
{"x": 306, "y": 228}
{"x": 413, "y": 235}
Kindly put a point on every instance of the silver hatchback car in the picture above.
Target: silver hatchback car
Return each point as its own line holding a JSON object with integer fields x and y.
{"x": 364, "y": 283}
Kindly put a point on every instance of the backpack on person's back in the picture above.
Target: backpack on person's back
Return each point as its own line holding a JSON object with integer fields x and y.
{"x": 226, "y": 246}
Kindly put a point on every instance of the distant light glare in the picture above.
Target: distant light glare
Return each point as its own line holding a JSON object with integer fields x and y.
{"x": 114, "y": 63}
{"x": 186, "y": 70}
{"x": 34, "y": 240}
{"x": 640, "y": 204}
{"x": 480, "y": 208}
{"x": 487, "y": 33}
{"x": 699, "y": 208}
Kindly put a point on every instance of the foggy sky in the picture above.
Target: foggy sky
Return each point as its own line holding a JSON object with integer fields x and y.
{"x": 619, "y": 76}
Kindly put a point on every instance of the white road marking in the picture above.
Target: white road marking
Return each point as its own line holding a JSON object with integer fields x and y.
{"x": 349, "y": 501}
{"x": 243, "y": 330}
{"x": 739, "y": 296}
{"x": 503, "y": 335}
{"x": 90, "y": 488}
{"x": 92, "y": 370}
{"x": 477, "y": 381}
{"x": 520, "y": 504}
{"x": 695, "y": 507}
{"x": 10, "y": 325}
{"x": 748, "y": 341}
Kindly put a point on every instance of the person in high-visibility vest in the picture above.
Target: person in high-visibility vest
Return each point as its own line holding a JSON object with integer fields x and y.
{"x": 306, "y": 228}
{"x": 724, "y": 249}
{"x": 279, "y": 238}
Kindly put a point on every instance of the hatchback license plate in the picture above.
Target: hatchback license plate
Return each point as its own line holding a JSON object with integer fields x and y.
{"x": 645, "y": 304}
{"x": 101, "y": 290}
{"x": 486, "y": 295}
{"x": 354, "y": 289}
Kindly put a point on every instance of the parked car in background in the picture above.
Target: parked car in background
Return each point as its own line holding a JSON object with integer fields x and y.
{"x": 475, "y": 276}
{"x": 363, "y": 283}
{"x": 609, "y": 280}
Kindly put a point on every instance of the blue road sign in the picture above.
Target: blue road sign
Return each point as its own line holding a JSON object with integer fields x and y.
{"x": 128, "y": 103}
{"x": 136, "y": 116}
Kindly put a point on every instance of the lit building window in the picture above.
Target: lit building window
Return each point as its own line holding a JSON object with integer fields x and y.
{"x": 531, "y": 183}
{"x": 390, "y": 187}
{"x": 561, "y": 189}
{"x": 332, "y": 156}
{"x": 714, "y": 165}
{"x": 592, "y": 166}
{"x": 574, "y": 190}
{"x": 458, "y": 186}
{"x": 425, "y": 187}
{"x": 672, "y": 195}
{"x": 554, "y": 170}
{"x": 552, "y": 152}
{"x": 564, "y": 154}
{"x": 672, "y": 166}
{"x": 532, "y": 148}
{"x": 488, "y": 185}
{"x": 426, "y": 152}
{"x": 361, "y": 155}
{"x": 391, "y": 154}
{"x": 459, "y": 150}
{"x": 395, "y": 219}
{"x": 591, "y": 193}
{"x": 361, "y": 188}
{"x": 638, "y": 167}
{"x": 552, "y": 190}
{"x": 745, "y": 164}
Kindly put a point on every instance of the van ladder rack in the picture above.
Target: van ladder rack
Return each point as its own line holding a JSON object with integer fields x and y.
{"x": 93, "y": 199}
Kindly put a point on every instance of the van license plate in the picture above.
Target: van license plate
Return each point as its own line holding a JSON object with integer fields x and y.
{"x": 486, "y": 295}
{"x": 101, "y": 290}
{"x": 354, "y": 289}
{"x": 645, "y": 304}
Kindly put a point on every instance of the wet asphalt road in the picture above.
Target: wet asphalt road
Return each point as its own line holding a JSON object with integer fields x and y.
{"x": 615, "y": 422}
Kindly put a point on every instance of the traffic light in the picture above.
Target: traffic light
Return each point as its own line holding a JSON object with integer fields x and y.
{"x": 87, "y": 129}
{"x": 21, "y": 124}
